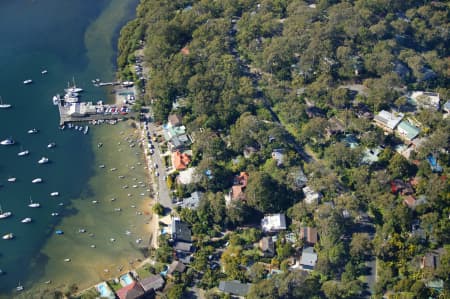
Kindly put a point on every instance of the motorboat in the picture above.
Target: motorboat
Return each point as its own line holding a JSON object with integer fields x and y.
{"x": 43, "y": 160}
{"x": 86, "y": 130}
{"x": 4, "y": 215}
{"x": 112, "y": 240}
{"x": 4, "y": 105}
{"x": 117, "y": 209}
{"x": 95, "y": 201}
{"x": 33, "y": 131}
{"x": 81, "y": 230}
{"x": 51, "y": 145}
{"x": 76, "y": 127}
{"x": 11, "y": 179}
{"x": 7, "y": 141}
{"x": 59, "y": 232}
{"x": 23, "y": 153}
{"x": 28, "y": 81}
{"x": 43, "y": 72}
{"x": 56, "y": 100}
{"x": 54, "y": 194}
{"x": 34, "y": 204}
{"x": 8, "y": 236}
{"x": 37, "y": 181}
{"x": 67, "y": 260}
{"x": 93, "y": 246}
{"x": 54, "y": 214}
{"x": 101, "y": 166}
{"x": 26, "y": 220}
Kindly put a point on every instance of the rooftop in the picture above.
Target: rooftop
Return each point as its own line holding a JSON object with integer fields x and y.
{"x": 180, "y": 160}
{"x": 273, "y": 222}
{"x": 153, "y": 282}
{"x": 309, "y": 258}
{"x": 387, "y": 119}
{"x": 180, "y": 231}
{"x": 234, "y": 287}
{"x": 408, "y": 130}
{"x": 193, "y": 201}
{"x": 311, "y": 196}
{"x": 131, "y": 291}
{"x": 176, "y": 266}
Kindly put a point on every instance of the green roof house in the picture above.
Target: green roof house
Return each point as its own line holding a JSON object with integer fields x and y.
{"x": 407, "y": 131}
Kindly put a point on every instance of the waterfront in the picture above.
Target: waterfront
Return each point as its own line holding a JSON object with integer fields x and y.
{"x": 34, "y": 255}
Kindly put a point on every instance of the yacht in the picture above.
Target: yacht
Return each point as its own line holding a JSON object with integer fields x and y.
{"x": 19, "y": 288}
{"x": 73, "y": 88}
{"x": 32, "y": 131}
{"x": 26, "y": 220}
{"x": 43, "y": 72}
{"x": 4, "y": 215}
{"x": 51, "y": 145}
{"x": 8, "y": 236}
{"x": 28, "y": 81}
{"x": 71, "y": 97}
{"x": 54, "y": 194}
{"x": 23, "y": 153}
{"x": 34, "y": 204}
{"x": 7, "y": 141}
{"x": 11, "y": 179}
{"x": 4, "y": 105}
{"x": 43, "y": 160}
{"x": 36, "y": 181}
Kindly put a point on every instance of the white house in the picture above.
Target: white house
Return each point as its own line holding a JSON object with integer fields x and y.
{"x": 388, "y": 120}
{"x": 273, "y": 223}
{"x": 423, "y": 99}
{"x": 311, "y": 196}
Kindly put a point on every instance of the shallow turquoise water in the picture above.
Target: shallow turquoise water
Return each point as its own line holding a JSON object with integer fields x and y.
{"x": 71, "y": 39}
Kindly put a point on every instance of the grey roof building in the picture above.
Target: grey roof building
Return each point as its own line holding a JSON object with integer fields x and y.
{"x": 180, "y": 231}
{"x": 153, "y": 282}
{"x": 308, "y": 259}
{"x": 192, "y": 201}
{"x": 234, "y": 287}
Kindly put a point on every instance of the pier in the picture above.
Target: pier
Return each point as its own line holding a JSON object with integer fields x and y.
{"x": 86, "y": 112}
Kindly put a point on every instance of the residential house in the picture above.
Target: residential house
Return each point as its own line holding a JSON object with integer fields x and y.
{"x": 388, "y": 121}
{"x": 278, "y": 156}
{"x": 178, "y": 142}
{"x": 131, "y": 291}
{"x": 175, "y": 267}
{"x": 273, "y": 223}
{"x": 234, "y": 287}
{"x": 311, "y": 196}
{"x": 180, "y": 160}
{"x": 193, "y": 201}
{"x": 423, "y": 99}
{"x": 446, "y": 107}
{"x": 174, "y": 120}
{"x": 267, "y": 246}
{"x": 249, "y": 151}
{"x": 188, "y": 176}
{"x": 152, "y": 283}
{"x": 371, "y": 155}
{"x": 308, "y": 259}
{"x": 407, "y": 131}
{"x": 239, "y": 185}
{"x": 180, "y": 231}
{"x": 411, "y": 202}
{"x": 398, "y": 185}
{"x": 183, "y": 247}
{"x": 335, "y": 126}
{"x": 431, "y": 260}
{"x": 309, "y": 235}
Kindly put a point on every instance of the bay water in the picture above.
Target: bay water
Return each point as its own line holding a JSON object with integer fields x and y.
{"x": 74, "y": 40}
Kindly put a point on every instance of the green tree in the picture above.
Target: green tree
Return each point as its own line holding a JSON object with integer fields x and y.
{"x": 158, "y": 209}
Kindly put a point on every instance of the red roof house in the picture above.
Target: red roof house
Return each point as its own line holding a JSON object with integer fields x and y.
{"x": 131, "y": 291}
{"x": 180, "y": 160}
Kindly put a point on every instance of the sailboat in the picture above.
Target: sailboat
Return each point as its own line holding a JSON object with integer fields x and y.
{"x": 4, "y": 215}
{"x": 34, "y": 204}
{"x": 4, "y": 105}
{"x": 74, "y": 88}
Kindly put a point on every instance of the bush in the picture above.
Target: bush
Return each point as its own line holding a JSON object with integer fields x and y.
{"x": 158, "y": 209}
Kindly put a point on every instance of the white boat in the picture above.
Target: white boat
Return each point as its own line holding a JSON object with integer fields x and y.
{"x": 56, "y": 99}
{"x": 51, "y": 145}
{"x": 43, "y": 160}
{"x": 8, "y": 236}
{"x": 54, "y": 194}
{"x": 86, "y": 130}
{"x": 28, "y": 81}
{"x": 34, "y": 204}
{"x": 71, "y": 97}
{"x": 7, "y": 141}
{"x": 95, "y": 201}
{"x": 67, "y": 260}
{"x": 4, "y": 105}
{"x": 73, "y": 88}
{"x": 26, "y": 220}
{"x": 32, "y": 131}
{"x": 37, "y": 181}
{"x": 23, "y": 153}
{"x": 4, "y": 215}
{"x": 19, "y": 287}
{"x": 54, "y": 214}
{"x": 11, "y": 179}
{"x": 43, "y": 72}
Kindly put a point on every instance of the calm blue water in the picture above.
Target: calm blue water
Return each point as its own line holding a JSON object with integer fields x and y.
{"x": 37, "y": 35}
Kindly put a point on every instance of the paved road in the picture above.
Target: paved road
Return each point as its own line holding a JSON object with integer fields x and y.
{"x": 162, "y": 192}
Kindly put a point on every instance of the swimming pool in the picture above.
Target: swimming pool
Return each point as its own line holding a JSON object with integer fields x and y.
{"x": 126, "y": 279}
{"x": 105, "y": 291}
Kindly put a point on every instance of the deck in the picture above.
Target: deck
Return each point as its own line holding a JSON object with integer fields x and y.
{"x": 64, "y": 116}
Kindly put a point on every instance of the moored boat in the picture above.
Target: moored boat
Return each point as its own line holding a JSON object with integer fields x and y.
{"x": 28, "y": 81}
{"x": 54, "y": 194}
{"x": 43, "y": 72}
{"x": 11, "y": 179}
{"x": 34, "y": 204}
{"x": 4, "y": 215}
{"x": 23, "y": 153}
{"x": 26, "y": 220}
{"x": 43, "y": 160}
{"x": 7, "y": 141}
{"x": 8, "y": 236}
{"x": 33, "y": 131}
{"x": 4, "y": 105}
{"x": 36, "y": 181}
{"x": 51, "y": 145}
